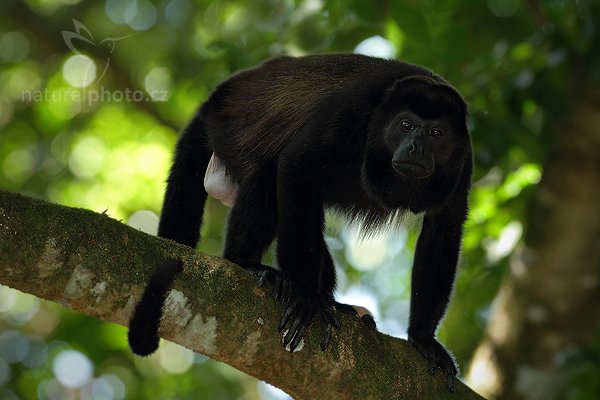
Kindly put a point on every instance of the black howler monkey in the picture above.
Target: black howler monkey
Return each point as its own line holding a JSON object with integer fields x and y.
{"x": 363, "y": 136}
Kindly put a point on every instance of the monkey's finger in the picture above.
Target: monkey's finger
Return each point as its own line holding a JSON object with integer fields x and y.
{"x": 451, "y": 383}
{"x": 282, "y": 288}
{"x": 330, "y": 317}
{"x": 295, "y": 327}
{"x": 345, "y": 308}
{"x": 326, "y": 336}
{"x": 285, "y": 317}
{"x": 291, "y": 332}
{"x": 287, "y": 291}
{"x": 432, "y": 365}
{"x": 300, "y": 334}
{"x": 450, "y": 371}
{"x": 326, "y": 318}
{"x": 263, "y": 277}
{"x": 368, "y": 320}
{"x": 277, "y": 290}
{"x": 287, "y": 338}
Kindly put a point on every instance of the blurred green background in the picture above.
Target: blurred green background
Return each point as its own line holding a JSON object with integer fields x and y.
{"x": 94, "y": 93}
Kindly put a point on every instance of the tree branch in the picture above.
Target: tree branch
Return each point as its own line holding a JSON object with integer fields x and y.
{"x": 98, "y": 266}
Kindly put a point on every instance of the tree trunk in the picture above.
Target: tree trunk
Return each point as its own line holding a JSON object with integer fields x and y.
{"x": 547, "y": 307}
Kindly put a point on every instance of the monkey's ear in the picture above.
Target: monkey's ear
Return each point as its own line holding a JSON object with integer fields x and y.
{"x": 404, "y": 85}
{"x": 389, "y": 92}
{"x": 420, "y": 83}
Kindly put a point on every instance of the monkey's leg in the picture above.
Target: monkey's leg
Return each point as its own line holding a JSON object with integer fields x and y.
{"x": 251, "y": 229}
{"x": 252, "y": 221}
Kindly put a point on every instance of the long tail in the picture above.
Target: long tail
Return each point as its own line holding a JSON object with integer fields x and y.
{"x": 180, "y": 221}
{"x": 143, "y": 327}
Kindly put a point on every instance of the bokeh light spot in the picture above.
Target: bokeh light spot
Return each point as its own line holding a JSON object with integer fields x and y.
{"x": 376, "y": 46}
{"x": 503, "y": 8}
{"x": 14, "y": 47}
{"x": 144, "y": 220}
{"x": 366, "y": 254}
{"x": 158, "y": 83}
{"x": 5, "y": 372}
{"x": 174, "y": 358}
{"x": 140, "y": 15}
{"x": 72, "y": 369}
{"x": 87, "y": 158}
{"x": 18, "y": 166}
{"x": 79, "y": 71}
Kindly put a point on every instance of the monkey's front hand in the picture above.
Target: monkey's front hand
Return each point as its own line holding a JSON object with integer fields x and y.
{"x": 437, "y": 356}
{"x": 301, "y": 309}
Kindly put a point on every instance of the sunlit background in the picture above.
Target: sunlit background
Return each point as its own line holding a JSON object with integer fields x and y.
{"x": 94, "y": 93}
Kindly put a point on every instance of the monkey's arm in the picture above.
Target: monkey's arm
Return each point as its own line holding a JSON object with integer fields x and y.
{"x": 433, "y": 274}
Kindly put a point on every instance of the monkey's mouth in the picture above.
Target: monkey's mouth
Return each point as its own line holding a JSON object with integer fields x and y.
{"x": 412, "y": 169}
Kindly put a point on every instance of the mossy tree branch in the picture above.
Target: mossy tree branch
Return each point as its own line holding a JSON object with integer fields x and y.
{"x": 95, "y": 265}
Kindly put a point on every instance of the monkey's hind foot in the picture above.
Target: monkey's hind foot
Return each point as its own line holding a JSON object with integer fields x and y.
{"x": 282, "y": 286}
{"x": 299, "y": 314}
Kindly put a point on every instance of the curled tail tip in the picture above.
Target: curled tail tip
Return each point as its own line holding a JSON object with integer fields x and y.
{"x": 143, "y": 326}
{"x": 142, "y": 345}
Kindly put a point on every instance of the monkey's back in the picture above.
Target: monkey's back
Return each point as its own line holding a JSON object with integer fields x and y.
{"x": 253, "y": 114}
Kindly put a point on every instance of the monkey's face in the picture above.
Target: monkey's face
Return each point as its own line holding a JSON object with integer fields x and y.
{"x": 417, "y": 144}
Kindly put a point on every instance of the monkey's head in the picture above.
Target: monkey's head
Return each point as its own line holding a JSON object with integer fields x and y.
{"x": 417, "y": 135}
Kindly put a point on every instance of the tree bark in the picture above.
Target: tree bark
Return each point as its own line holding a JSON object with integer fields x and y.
{"x": 95, "y": 265}
{"x": 547, "y": 308}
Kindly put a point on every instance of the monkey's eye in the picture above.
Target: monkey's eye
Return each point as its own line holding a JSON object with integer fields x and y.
{"x": 436, "y": 132}
{"x": 406, "y": 125}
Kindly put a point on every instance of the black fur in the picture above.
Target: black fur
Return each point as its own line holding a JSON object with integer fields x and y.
{"x": 143, "y": 327}
{"x": 302, "y": 135}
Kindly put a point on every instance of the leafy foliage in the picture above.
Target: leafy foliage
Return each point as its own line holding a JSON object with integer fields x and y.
{"x": 517, "y": 63}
